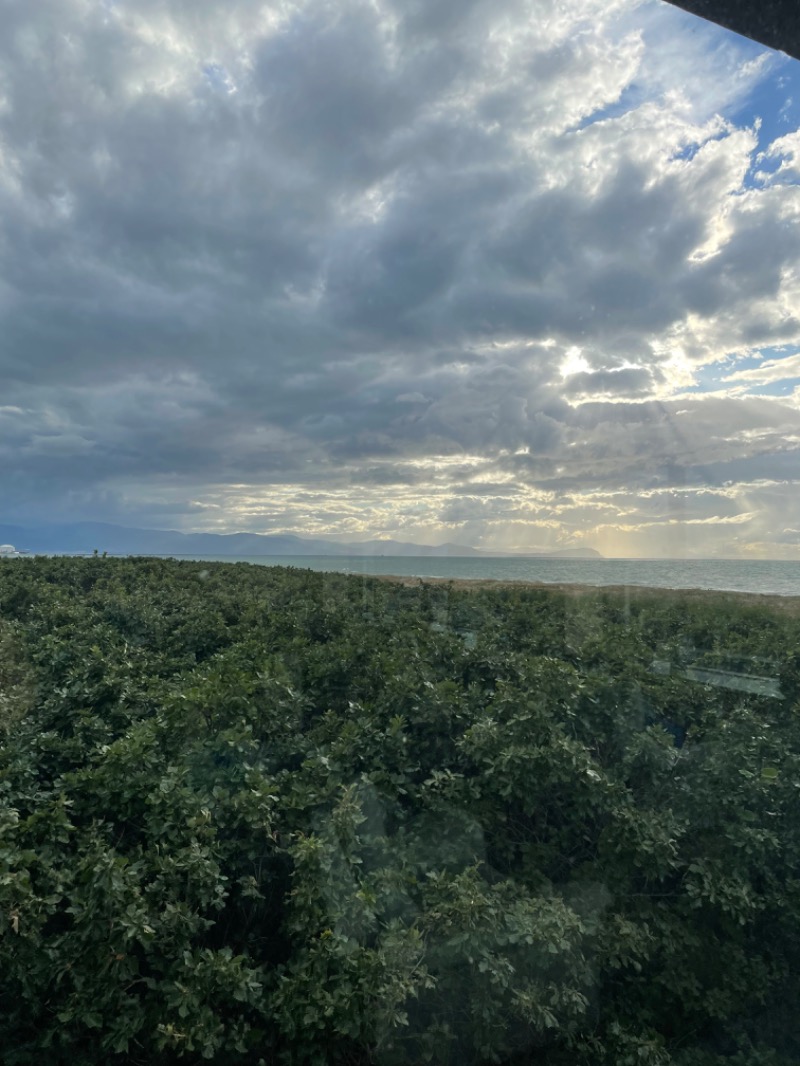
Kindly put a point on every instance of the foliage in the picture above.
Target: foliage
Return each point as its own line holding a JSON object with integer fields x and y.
{"x": 251, "y": 814}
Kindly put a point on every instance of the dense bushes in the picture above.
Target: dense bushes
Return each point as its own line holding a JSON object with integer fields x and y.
{"x": 250, "y": 814}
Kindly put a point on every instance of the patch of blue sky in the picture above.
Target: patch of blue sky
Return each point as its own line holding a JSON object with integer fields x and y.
{"x": 773, "y": 352}
{"x": 773, "y": 99}
{"x": 218, "y": 78}
{"x": 689, "y": 151}
{"x": 708, "y": 378}
{"x": 771, "y": 107}
{"x": 631, "y": 97}
{"x": 775, "y": 103}
{"x": 774, "y": 388}
{"x": 712, "y": 377}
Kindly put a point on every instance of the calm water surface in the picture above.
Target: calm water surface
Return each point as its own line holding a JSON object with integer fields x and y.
{"x": 735, "y": 575}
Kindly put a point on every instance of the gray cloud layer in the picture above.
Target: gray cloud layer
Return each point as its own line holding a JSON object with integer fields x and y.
{"x": 325, "y": 267}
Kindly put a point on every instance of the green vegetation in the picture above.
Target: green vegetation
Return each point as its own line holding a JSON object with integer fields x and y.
{"x": 258, "y": 815}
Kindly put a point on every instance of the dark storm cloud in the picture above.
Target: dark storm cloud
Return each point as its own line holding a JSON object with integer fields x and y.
{"x": 331, "y": 102}
{"x": 274, "y": 245}
{"x": 592, "y": 266}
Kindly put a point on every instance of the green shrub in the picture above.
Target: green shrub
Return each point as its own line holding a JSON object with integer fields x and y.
{"x": 260, "y": 815}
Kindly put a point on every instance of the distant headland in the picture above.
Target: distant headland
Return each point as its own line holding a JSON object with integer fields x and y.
{"x": 80, "y": 538}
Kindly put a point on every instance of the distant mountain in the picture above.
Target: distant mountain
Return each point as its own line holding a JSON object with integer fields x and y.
{"x": 86, "y": 537}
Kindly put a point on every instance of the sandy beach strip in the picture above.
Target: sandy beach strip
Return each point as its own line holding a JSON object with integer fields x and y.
{"x": 763, "y": 601}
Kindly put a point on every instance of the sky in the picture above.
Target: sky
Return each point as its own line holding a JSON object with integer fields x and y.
{"x": 519, "y": 274}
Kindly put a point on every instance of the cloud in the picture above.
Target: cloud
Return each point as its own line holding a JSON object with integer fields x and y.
{"x": 251, "y": 252}
{"x": 769, "y": 371}
{"x": 617, "y": 382}
{"x": 785, "y": 152}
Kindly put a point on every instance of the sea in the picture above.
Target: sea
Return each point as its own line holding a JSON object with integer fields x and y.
{"x": 766, "y": 576}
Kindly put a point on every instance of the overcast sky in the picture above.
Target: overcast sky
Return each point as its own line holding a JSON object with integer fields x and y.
{"x": 515, "y": 273}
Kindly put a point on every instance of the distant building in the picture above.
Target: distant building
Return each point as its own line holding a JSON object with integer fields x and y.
{"x": 8, "y": 549}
